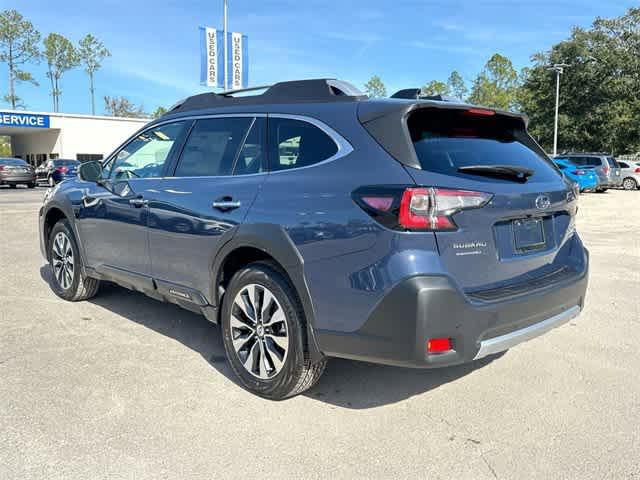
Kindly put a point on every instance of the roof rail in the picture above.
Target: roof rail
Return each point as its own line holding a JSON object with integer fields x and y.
{"x": 585, "y": 153}
{"x": 231, "y": 93}
{"x": 416, "y": 94}
{"x": 314, "y": 90}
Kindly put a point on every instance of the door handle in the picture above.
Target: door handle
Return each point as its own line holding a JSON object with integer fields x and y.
{"x": 138, "y": 202}
{"x": 225, "y": 204}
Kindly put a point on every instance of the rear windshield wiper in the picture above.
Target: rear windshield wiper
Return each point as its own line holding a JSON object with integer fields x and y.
{"x": 510, "y": 172}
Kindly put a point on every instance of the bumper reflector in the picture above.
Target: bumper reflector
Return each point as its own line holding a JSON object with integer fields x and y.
{"x": 438, "y": 345}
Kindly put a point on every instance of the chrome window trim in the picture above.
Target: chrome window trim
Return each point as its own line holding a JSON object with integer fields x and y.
{"x": 344, "y": 147}
{"x": 149, "y": 126}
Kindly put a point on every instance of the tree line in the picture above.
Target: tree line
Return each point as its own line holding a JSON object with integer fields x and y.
{"x": 599, "y": 99}
{"x": 21, "y": 46}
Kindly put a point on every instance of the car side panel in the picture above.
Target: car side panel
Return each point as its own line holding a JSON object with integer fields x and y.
{"x": 335, "y": 239}
{"x": 186, "y": 231}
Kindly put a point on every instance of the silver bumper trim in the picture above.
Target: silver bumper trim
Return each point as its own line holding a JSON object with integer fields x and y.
{"x": 508, "y": 340}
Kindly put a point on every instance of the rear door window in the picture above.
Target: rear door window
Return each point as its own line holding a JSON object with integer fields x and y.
{"x": 612, "y": 162}
{"x": 251, "y": 158}
{"x": 446, "y": 140}
{"x": 623, "y": 165}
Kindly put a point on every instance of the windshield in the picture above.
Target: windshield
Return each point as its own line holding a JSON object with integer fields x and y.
{"x": 12, "y": 161}
{"x": 446, "y": 140}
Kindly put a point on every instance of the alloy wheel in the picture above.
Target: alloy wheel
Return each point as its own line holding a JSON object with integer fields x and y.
{"x": 629, "y": 184}
{"x": 62, "y": 260}
{"x": 259, "y": 331}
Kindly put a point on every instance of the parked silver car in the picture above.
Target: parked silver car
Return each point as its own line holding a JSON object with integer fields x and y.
{"x": 607, "y": 168}
{"x": 15, "y": 171}
{"x": 630, "y": 174}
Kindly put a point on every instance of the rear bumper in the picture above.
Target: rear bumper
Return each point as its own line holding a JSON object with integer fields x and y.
{"x": 588, "y": 184}
{"x": 508, "y": 340}
{"x": 425, "y": 307}
{"x": 17, "y": 178}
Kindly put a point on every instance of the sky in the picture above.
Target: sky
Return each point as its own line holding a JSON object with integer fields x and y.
{"x": 155, "y": 45}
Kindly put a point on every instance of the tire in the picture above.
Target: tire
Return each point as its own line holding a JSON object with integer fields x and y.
{"x": 73, "y": 285}
{"x": 13, "y": 185}
{"x": 51, "y": 182}
{"x": 273, "y": 345}
{"x": 629, "y": 184}
{"x": 32, "y": 185}
{"x": 601, "y": 190}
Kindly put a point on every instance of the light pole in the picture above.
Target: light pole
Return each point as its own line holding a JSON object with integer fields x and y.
{"x": 559, "y": 69}
{"x": 224, "y": 40}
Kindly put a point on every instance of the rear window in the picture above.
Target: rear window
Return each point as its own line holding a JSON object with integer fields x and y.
{"x": 612, "y": 162}
{"x": 586, "y": 161}
{"x": 12, "y": 161}
{"x": 445, "y": 140}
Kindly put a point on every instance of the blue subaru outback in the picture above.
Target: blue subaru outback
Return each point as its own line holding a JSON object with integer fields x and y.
{"x": 312, "y": 222}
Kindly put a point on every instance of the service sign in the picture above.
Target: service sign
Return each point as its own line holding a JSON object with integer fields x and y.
{"x": 25, "y": 120}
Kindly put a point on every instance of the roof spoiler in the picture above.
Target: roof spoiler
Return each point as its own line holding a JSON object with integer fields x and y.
{"x": 314, "y": 90}
{"x": 416, "y": 94}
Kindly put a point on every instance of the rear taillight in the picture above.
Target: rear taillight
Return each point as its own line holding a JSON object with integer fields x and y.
{"x": 637, "y": 170}
{"x": 605, "y": 170}
{"x": 62, "y": 169}
{"x": 1, "y": 167}
{"x": 418, "y": 208}
{"x": 432, "y": 208}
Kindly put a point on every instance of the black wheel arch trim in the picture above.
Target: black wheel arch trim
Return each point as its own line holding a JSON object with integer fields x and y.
{"x": 273, "y": 240}
{"x": 70, "y": 215}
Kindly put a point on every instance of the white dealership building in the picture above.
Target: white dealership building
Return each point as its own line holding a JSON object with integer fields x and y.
{"x": 38, "y": 137}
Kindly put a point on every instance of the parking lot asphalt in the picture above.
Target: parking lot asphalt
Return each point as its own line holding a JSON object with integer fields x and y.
{"x": 123, "y": 386}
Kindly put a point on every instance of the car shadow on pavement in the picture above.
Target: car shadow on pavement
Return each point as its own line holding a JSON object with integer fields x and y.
{"x": 345, "y": 383}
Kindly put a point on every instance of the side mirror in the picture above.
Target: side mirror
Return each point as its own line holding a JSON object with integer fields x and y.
{"x": 90, "y": 171}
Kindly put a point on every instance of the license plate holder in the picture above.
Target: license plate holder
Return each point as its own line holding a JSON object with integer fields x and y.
{"x": 528, "y": 234}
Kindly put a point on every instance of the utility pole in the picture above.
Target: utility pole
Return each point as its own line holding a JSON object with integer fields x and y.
{"x": 559, "y": 69}
{"x": 226, "y": 75}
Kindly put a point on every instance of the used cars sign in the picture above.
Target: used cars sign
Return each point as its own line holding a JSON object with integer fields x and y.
{"x": 29, "y": 120}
